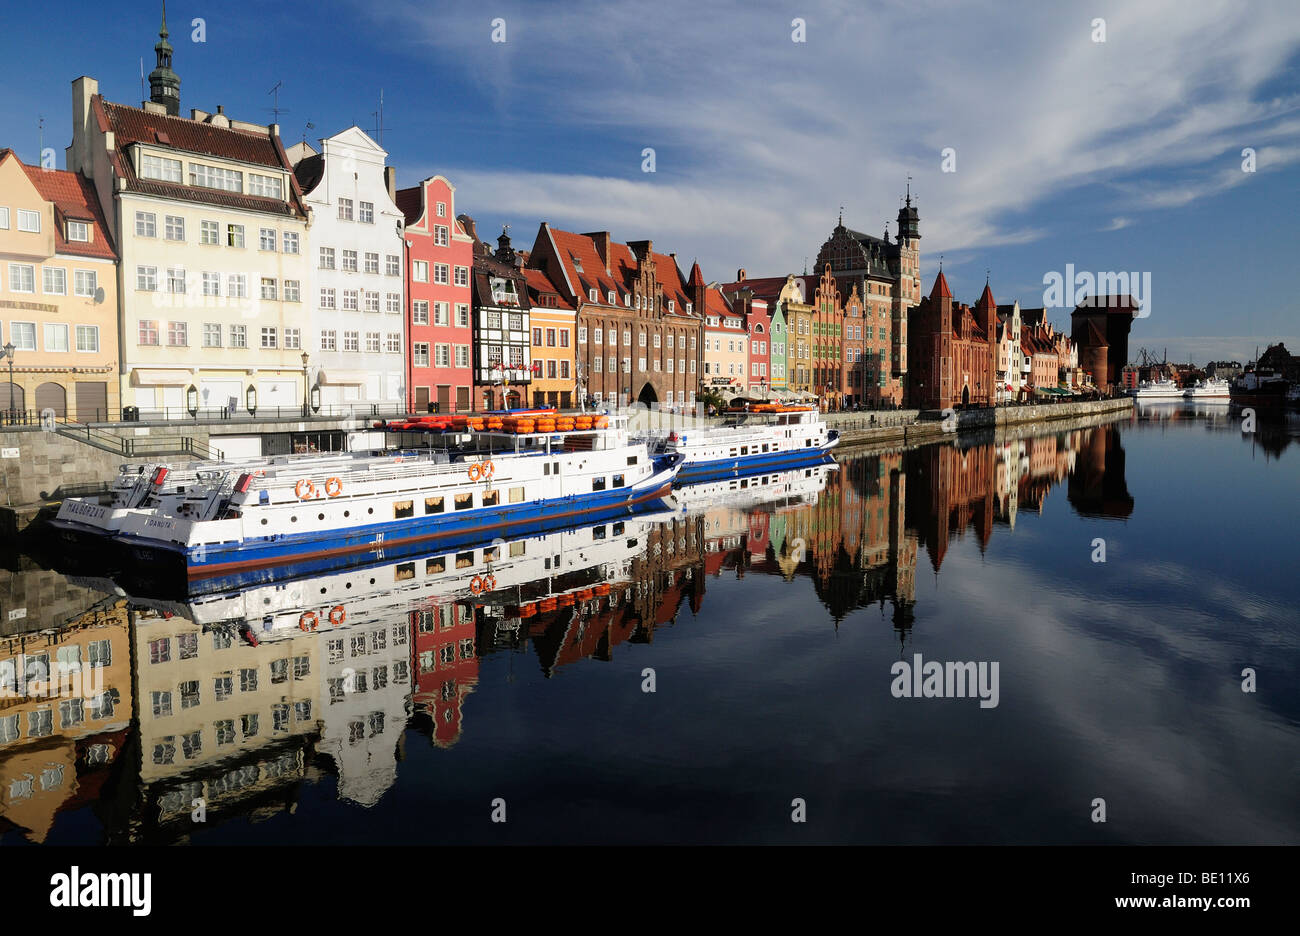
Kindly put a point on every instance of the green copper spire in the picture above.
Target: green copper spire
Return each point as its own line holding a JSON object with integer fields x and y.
{"x": 165, "y": 84}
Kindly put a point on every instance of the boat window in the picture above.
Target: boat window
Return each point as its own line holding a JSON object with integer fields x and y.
{"x": 598, "y": 532}
{"x": 490, "y": 498}
{"x": 492, "y": 554}
{"x": 465, "y": 501}
{"x": 744, "y": 450}
{"x": 516, "y": 495}
{"x": 618, "y": 480}
{"x": 733, "y": 451}
{"x": 765, "y": 446}
{"x": 465, "y": 560}
{"x": 435, "y": 566}
{"x": 546, "y": 468}
{"x": 618, "y": 528}
{"x": 403, "y": 509}
{"x": 631, "y": 459}
{"x": 517, "y": 548}
{"x": 598, "y": 484}
{"x": 433, "y": 505}
{"x": 807, "y": 443}
{"x": 404, "y": 572}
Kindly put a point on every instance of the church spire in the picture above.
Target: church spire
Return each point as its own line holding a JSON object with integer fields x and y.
{"x": 165, "y": 84}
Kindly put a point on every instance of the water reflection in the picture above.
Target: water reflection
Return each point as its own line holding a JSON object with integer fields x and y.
{"x": 233, "y": 704}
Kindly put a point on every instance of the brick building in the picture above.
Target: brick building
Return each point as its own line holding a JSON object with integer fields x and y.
{"x": 953, "y": 349}
{"x": 639, "y": 322}
{"x": 1099, "y": 328}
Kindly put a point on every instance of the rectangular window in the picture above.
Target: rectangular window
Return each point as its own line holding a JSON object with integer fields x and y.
{"x": 420, "y": 312}
{"x": 55, "y": 281}
{"x": 56, "y": 337}
{"x": 598, "y": 484}
{"x": 292, "y": 339}
{"x": 351, "y": 341}
{"x": 327, "y": 258}
{"x": 349, "y": 261}
{"x": 464, "y": 502}
{"x": 345, "y": 209}
{"x": 328, "y": 340}
{"x": 372, "y": 301}
{"x": 291, "y": 242}
{"x": 292, "y": 291}
{"x": 266, "y": 239}
{"x": 214, "y": 177}
{"x": 442, "y": 355}
{"x": 269, "y": 337}
{"x": 392, "y": 265}
{"x": 174, "y": 228}
{"x": 372, "y": 261}
{"x": 394, "y": 302}
{"x": 160, "y": 167}
{"x": 265, "y": 186}
{"x": 432, "y": 505}
{"x": 84, "y": 283}
{"x": 146, "y": 224}
{"x": 327, "y": 297}
{"x": 239, "y": 336}
{"x": 211, "y": 335}
{"x": 209, "y": 232}
{"x": 420, "y": 271}
{"x": 87, "y": 337}
{"x": 393, "y": 343}
{"x": 148, "y": 334}
{"x": 234, "y": 235}
{"x": 176, "y": 281}
{"x": 372, "y": 342}
{"x": 367, "y": 215}
{"x": 462, "y": 355}
{"x": 350, "y": 300}
{"x": 146, "y": 279}
{"x": 403, "y": 509}
{"x": 440, "y": 235}
{"x": 177, "y": 334}
{"x": 441, "y": 274}
{"x": 237, "y": 286}
{"x": 462, "y": 276}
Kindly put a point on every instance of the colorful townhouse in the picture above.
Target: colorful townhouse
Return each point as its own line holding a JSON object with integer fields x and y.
{"x": 853, "y": 363}
{"x": 439, "y": 333}
{"x": 637, "y": 320}
{"x": 58, "y": 295}
{"x": 1010, "y": 369}
{"x": 210, "y": 229}
{"x": 756, "y": 302}
{"x": 501, "y": 312}
{"x": 827, "y": 341}
{"x": 726, "y": 348}
{"x": 553, "y": 331}
{"x": 358, "y": 340}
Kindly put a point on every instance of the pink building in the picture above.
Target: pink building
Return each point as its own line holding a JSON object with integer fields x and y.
{"x": 439, "y": 337}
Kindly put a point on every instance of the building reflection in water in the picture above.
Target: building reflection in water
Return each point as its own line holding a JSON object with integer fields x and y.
{"x": 240, "y": 698}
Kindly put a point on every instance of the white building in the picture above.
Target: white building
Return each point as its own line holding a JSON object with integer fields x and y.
{"x": 356, "y": 292}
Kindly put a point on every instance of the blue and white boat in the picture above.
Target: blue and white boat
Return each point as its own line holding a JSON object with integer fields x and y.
{"x": 343, "y": 509}
{"x": 765, "y": 436}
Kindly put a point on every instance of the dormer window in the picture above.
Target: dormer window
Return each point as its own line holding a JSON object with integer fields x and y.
{"x": 672, "y": 306}
{"x": 79, "y": 231}
{"x": 577, "y": 264}
{"x": 690, "y": 308}
{"x": 612, "y": 298}
{"x": 593, "y": 295}
{"x": 160, "y": 167}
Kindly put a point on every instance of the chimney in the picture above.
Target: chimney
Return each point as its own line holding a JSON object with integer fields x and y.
{"x": 390, "y": 181}
{"x": 602, "y": 241}
{"x": 77, "y": 156}
{"x": 740, "y": 275}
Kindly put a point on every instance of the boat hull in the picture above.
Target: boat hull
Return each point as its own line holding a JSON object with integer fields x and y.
{"x": 695, "y": 472}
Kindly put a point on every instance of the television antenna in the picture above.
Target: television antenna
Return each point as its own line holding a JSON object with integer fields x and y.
{"x": 379, "y": 120}
{"x": 275, "y": 108}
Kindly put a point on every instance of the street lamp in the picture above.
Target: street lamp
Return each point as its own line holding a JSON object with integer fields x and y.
{"x": 8, "y": 352}
{"x": 250, "y": 400}
{"x": 305, "y": 358}
{"x": 192, "y": 401}
{"x": 762, "y": 383}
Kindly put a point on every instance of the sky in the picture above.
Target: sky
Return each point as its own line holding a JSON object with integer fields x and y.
{"x": 766, "y": 118}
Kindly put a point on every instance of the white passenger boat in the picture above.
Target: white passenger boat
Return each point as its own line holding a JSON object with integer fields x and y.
{"x": 1213, "y": 389}
{"x": 1157, "y": 390}
{"x": 770, "y": 436}
{"x": 544, "y": 469}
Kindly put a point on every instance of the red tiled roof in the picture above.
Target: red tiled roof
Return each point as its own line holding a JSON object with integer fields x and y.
{"x": 715, "y": 303}
{"x": 539, "y": 283}
{"x": 767, "y": 287}
{"x": 941, "y": 290}
{"x": 986, "y": 298}
{"x": 621, "y": 273}
{"x": 696, "y": 277}
{"x": 131, "y": 125}
{"x": 74, "y": 198}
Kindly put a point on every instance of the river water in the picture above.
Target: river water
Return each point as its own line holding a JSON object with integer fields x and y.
{"x": 737, "y": 670}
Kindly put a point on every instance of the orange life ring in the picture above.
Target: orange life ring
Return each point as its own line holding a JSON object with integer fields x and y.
{"x": 338, "y": 615}
{"x": 476, "y": 586}
{"x": 309, "y": 621}
{"x": 489, "y": 582}
{"x": 304, "y": 489}
{"x": 333, "y": 487}
{"x": 488, "y": 469}
{"x": 474, "y": 471}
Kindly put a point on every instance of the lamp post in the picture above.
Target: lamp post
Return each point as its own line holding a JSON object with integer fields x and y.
{"x": 8, "y": 352}
{"x": 305, "y": 358}
{"x": 192, "y": 401}
{"x": 762, "y": 383}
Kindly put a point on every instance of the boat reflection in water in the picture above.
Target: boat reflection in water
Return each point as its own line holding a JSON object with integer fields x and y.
{"x": 240, "y": 695}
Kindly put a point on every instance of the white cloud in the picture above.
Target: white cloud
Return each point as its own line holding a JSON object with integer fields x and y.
{"x": 759, "y": 139}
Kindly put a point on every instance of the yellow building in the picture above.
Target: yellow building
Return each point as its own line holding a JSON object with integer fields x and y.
{"x": 58, "y": 295}
{"x": 799, "y": 341}
{"x": 553, "y": 322}
{"x": 65, "y": 706}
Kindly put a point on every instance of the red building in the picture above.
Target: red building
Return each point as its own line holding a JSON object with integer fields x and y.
{"x": 953, "y": 350}
{"x": 757, "y": 319}
{"x": 445, "y": 663}
{"x": 439, "y": 337}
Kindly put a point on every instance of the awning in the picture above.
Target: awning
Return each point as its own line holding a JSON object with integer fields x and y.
{"x": 335, "y": 377}
{"x": 160, "y": 378}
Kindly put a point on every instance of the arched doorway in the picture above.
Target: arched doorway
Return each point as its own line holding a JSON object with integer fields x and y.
{"x": 965, "y": 396}
{"x": 19, "y": 398}
{"x": 647, "y": 396}
{"x": 52, "y": 396}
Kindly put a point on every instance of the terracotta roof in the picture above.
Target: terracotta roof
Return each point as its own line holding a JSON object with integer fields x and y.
{"x": 131, "y": 125}
{"x": 579, "y": 250}
{"x": 767, "y": 287}
{"x": 696, "y": 277}
{"x": 715, "y": 303}
{"x": 541, "y": 285}
{"x": 74, "y": 198}
{"x": 941, "y": 290}
{"x": 986, "y": 299}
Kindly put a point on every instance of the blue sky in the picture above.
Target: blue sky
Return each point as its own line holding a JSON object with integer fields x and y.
{"x": 1122, "y": 155}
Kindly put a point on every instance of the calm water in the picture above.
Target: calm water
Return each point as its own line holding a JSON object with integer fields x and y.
{"x": 770, "y": 616}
